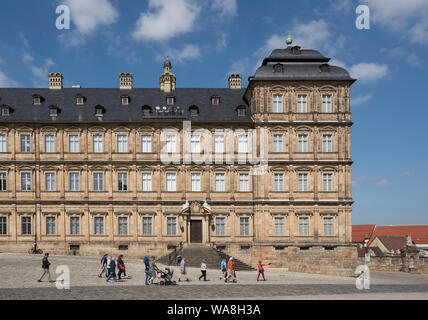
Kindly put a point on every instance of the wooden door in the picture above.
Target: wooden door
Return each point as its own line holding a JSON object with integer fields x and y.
{"x": 196, "y": 231}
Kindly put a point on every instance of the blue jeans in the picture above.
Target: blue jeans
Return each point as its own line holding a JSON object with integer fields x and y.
{"x": 148, "y": 276}
{"x": 112, "y": 274}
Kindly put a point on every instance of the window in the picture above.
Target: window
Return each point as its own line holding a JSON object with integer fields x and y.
{"x": 195, "y": 144}
{"x": 327, "y": 144}
{"x": 220, "y": 227}
{"x": 99, "y": 226}
{"x": 123, "y": 226}
{"x": 98, "y": 181}
{"x": 279, "y": 226}
{"x": 125, "y": 100}
{"x": 2, "y": 143}
{"x": 326, "y": 103}
{"x": 3, "y": 182}
{"x": 74, "y": 143}
{"x": 171, "y": 182}
{"x": 99, "y": 111}
{"x": 242, "y": 112}
{"x": 26, "y": 226}
{"x": 37, "y": 100}
{"x": 79, "y": 100}
{"x": 25, "y": 143}
{"x": 122, "y": 143}
{"x": 98, "y": 143}
{"x": 277, "y": 103}
{"x": 147, "y": 226}
{"x": 147, "y": 111}
{"x": 170, "y": 100}
{"x": 219, "y": 182}
{"x": 49, "y": 143}
{"x": 53, "y": 111}
{"x": 171, "y": 226}
{"x": 50, "y": 181}
{"x": 74, "y": 225}
{"x": 196, "y": 182}
{"x": 146, "y": 144}
{"x": 194, "y": 111}
{"x": 278, "y": 143}
{"x": 303, "y": 143}
{"x": 5, "y": 111}
{"x": 327, "y": 179}
{"x": 304, "y": 226}
{"x": 302, "y": 105}
{"x": 303, "y": 182}
{"x": 74, "y": 181}
{"x": 219, "y": 144}
{"x": 278, "y": 182}
{"x": 50, "y": 226}
{"x": 3, "y": 226}
{"x": 244, "y": 185}
{"x": 170, "y": 143}
{"x": 26, "y": 181}
{"x": 215, "y": 100}
{"x": 122, "y": 179}
{"x": 242, "y": 144}
{"x": 147, "y": 182}
{"x": 328, "y": 227}
{"x": 244, "y": 226}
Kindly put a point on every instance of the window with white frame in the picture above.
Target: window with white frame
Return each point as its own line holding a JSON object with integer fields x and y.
{"x": 303, "y": 182}
{"x": 326, "y": 103}
{"x": 170, "y": 143}
{"x": 122, "y": 181}
{"x": 123, "y": 226}
{"x": 74, "y": 181}
{"x": 219, "y": 144}
{"x": 50, "y": 143}
{"x": 75, "y": 226}
{"x": 98, "y": 143}
{"x": 220, "y": 185}
{"x": 243, "y": 144}
{"x": 146, "y": 144}
{"x": 171, "y": 182}
{"x": 327, "y": 179}
{"x": 303, "y": 143}
{"x": 147, "y": 226}
{"x": 26, "y": 181}
{"x": 147, "y": 182}
{"x": 328, "y": 226}
{"x": 278, "y": 182}
{"x": 244, "y": 182}
{"x": 195, "y": 144}
{"x": 73, "y": 143}
{"x": 327, "y": 143}
{"x": 50, "y": 226}
{"x": 244, "y": 226}
{"x": 122, "y": 143}
{"x": 278, "y": 143}
{"x": 195, "y": 182}
{"x": 279, "y": 226}
{"x": 3, "y": 226}
{"x": 98, "y": 181}
{"x": 3, "y": 181}
{"x": 171, "y": 226}
{"x": 302, "y": 105}
{"x": 304, "y": 226}
{"x": 26, "y": 226}
{"x": 50, "y": 181}
{"x": 2, "y": 143}
{"x": 277, "y": 103}
{"x": 99, "y": 226}
{"x": 25, "y": 143}
{"x": 220, "y": 226}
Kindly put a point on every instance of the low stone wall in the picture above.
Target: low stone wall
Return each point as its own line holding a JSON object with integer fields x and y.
{"x": 395, "y": 263}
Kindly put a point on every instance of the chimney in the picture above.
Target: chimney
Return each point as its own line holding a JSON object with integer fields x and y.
{"x": 235, "y": 81}
{"x": 125, "y": 80}
{"x": 55, "y": 80}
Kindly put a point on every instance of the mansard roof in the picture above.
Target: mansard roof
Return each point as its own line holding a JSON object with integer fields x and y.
{"x": 110, "y": 98}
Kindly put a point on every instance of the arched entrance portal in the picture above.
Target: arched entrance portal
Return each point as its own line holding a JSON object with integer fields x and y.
{"x": 197, "y": 215}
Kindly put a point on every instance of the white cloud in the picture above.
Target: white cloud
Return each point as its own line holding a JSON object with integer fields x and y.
{"x": 382, "y": 183}
{"x": 72, "y": 39}
{"x": 6, "y": 82}
{"x": 26, "y": 57}
{"x": 368, "y": 72}
{"x": 312, "y": 35}
{"x": 221, "y": 42}
{"x": 399, "y": 52}
{"x": 39, "y": 72}
{"x": 375, "y": 181}
{"x": 361, "y": 99}
{"x": 188, "y": 52}
{"x": 408, "y": 173}
{"x": 166, "y": 19}
{"x": 225, "y": 8}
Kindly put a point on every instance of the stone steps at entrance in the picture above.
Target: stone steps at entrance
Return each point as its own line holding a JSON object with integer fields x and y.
{"x": 195, "y": 253}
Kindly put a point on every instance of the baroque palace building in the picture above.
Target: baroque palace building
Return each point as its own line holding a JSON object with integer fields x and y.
{"x": 84, "y": 169}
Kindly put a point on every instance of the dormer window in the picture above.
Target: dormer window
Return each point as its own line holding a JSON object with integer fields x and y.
{"x": 80, "y": 100}
{"x": 125, "y": 100}
{"x": 242, "y": 111}
{"x": 296, "y": 50}
{"x": 215, "y": 100}
{"x": 37, "y": 100}
{"x": 5, "y": 111}
{"x": 147, "y": 110}
{"x": 170, "y": 100}
{"x": 194, "y": 111}
{"x": 99, "y": 111}
{"x": 53, "y": 111}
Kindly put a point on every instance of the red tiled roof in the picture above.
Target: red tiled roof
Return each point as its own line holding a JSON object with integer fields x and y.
{"x": 362, "y": 232}
{"x": 418, "y": 233}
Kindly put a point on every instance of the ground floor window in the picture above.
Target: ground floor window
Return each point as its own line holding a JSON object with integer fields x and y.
{"x": 244, "y": 224}
{"x": 74, "y": 225}
{"x": 220, "y": 227}
{"x": 279, "y": 223}
{"x": 328, "y": 227}
{"x": 147, "y": 226}
{"x": 50, "y": 226}
{"x": 3, "y": 226}
{"x": 99, "y": 226}
{"x": 171, "y": 226}
{"x": 26, "y": 226}
{"x": 304, "y": 226}
{"x": 123, "y": 226}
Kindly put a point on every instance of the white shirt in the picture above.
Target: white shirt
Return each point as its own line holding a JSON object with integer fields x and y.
{"x": 203, "y": 266}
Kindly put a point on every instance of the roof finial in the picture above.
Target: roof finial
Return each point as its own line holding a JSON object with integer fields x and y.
{"x": 289, "y": 41}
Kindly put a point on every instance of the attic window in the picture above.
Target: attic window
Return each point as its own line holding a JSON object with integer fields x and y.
{"x": 170, "y": 100}
{"x": 5, "y": 111}
{"x": 296, "y": 50}
{"x": 53, "y": 111}
{"x": 325, "y": 67}
{"x": 99, "y": 111}
{"x": 194, "y": 111}
{"x": 80, "y": 100}
{"x": 215, "y": 100}
{"x": 147, "y": 110}
{"x": 242, "y": 111}
{"x": 125, "y": 100}
{"x": 37, "y": 100}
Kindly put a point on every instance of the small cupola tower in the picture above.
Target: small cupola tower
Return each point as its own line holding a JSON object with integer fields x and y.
{"x": 167, "y": 79}
{"x": 55, "y": 80}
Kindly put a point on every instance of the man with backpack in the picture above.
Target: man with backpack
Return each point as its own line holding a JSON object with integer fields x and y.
{"x": 147, "y": 270}
{"x": 45, "y": 267}
{"x": 103, "y": 267}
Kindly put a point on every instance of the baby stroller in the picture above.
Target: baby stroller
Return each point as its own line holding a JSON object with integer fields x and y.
{"x": 166, "y": 277}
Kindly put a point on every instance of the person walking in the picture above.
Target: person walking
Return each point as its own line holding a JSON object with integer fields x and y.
{"x": 231, "y": 271}
{"x": 108, "y": 266}
{"x": 121, "y": 267}
{"x": 112, "y": 268}
{"x": 183, "y": 271}
{"x": 45, "y": 267}
{"x": 147, "y": 270}
{"x": 103, "y": 267}
{"x": 223, "y": 268}
{"x": 203, "y": 271}
{"x": 153, "y": 269}
{"x": 261, "y": 269}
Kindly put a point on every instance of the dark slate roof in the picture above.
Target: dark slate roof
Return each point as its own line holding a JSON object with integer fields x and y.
{"x": 21, "y": 102}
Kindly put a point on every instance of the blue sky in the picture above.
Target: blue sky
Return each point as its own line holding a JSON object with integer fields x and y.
{"x": 208, "y": 39}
